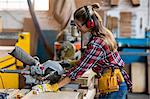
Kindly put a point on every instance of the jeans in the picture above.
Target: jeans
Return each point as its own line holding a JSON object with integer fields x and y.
{"x": 121, "y": 94}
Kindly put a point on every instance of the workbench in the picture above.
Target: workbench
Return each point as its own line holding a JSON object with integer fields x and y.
{"x": 87, "y": 93}
{"x": 29, "y": 94}
{"x": 54, "y": 95}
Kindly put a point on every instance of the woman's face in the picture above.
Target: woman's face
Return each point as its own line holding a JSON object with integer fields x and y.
{"x": 81, "y": 27}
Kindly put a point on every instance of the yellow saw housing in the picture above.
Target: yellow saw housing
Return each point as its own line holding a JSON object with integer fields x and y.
{"x": 11, "y": 80}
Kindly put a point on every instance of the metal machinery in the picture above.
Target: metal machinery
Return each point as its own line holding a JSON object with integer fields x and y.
{"x": 68, "y": 45}
{"x": 33, "y": 71}
{"x": 9, "y": 80}
{"x": 133, "y": 48}
{"x": 66, "y": 50}
{"x": 48, "y": 72}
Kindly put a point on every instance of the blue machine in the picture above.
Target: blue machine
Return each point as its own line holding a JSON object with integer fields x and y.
{"x": 133, "y": 49}
{"x": 50, "y": 35}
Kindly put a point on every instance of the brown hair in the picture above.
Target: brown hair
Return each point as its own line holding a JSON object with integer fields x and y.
{"x": 98, "y": 29}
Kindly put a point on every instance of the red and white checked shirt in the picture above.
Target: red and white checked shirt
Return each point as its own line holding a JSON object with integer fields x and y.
{"x": 97, "y": 56}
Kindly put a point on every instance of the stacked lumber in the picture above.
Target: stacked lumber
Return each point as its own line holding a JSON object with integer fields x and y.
{"x": 125, "y": 24}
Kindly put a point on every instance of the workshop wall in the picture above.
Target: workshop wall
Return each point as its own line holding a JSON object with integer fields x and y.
{"x": 139, "y": 19}
{"x": 14, "y": 19}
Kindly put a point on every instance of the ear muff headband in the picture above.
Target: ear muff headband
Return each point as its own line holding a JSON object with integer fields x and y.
{"x": 90, "y": 22}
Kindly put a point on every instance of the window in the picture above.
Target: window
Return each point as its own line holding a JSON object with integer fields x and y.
{"x": 39, "y": 5}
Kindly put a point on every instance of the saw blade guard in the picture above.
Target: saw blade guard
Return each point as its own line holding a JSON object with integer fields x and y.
{"x": 54, "y": 65}
{"x": 21, "y": 55}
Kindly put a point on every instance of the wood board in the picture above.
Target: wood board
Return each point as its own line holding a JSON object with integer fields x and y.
{"x": 54, "y": 95}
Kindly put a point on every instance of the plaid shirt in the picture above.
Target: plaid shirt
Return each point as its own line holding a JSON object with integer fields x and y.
{"x": 98, "y": 57}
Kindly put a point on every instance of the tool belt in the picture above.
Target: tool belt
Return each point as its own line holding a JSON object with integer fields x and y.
{"x": 108, "y": 82}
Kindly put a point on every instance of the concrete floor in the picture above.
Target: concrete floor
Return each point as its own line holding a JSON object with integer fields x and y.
{"x": 138, "y": 96}
{"x": 135, "y": 96}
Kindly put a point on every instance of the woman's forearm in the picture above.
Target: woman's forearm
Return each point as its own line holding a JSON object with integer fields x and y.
{"x": 64, "y": 81}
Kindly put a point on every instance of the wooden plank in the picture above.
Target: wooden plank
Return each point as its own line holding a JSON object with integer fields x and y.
{"x": 15, "y": 93}
{"x": 80, "y": 3}
{"x": 148, "y": 60}
{"x": 90, "y": 94}
{"x": 8, "y": 42}
{"x": 114, "y": 2}
{"x": 4, "y": 50}
{"x": 109, "y": 22}
{"x": 54, "y": 95}
{"x": 125, "y": 24}
{"x": 135, "y": 2}
{"x": 115, "y": 22}
{"x": 12, "y": 30}
{"x": 85, "y": 80}
{"x": 138, "y": 71}
{"x": 125, "y": 16}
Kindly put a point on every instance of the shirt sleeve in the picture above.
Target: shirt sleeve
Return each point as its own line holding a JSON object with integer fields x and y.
{"x": 91, "y": 55}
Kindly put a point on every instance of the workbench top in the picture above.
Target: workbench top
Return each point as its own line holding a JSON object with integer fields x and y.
{"x": 54, "y": 95}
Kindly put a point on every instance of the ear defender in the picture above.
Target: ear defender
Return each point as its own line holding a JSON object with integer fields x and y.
{"x": 90, "y": 22}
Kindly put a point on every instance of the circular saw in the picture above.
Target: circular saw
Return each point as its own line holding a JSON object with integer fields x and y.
{"x": 67, "y": 50}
